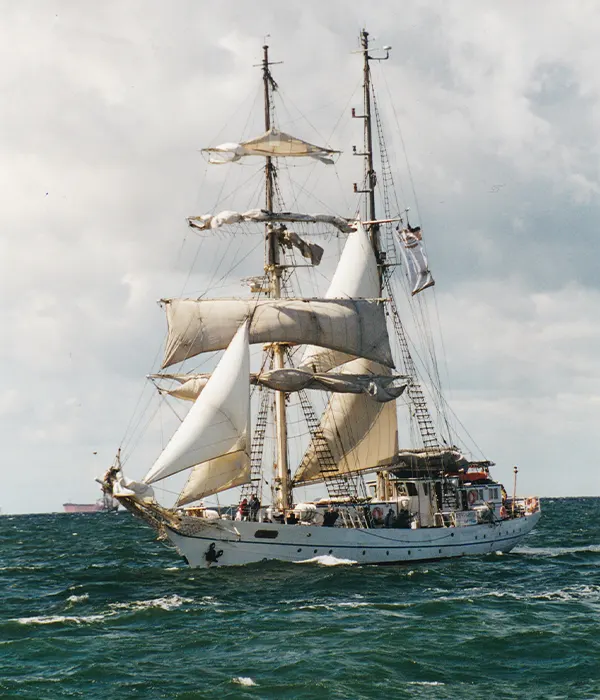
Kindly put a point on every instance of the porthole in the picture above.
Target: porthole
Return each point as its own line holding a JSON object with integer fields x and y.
{"x": 331, "y": 551}
{"x": 364, "y": 552}
{"x": 299, "y": 549}
{"x": 387, "y": 552}
{"x": 315, "y": 551}
{"x": 409, "y": 552}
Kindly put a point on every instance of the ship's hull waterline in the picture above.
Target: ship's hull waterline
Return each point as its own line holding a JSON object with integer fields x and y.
{"x": 231, "y": 543}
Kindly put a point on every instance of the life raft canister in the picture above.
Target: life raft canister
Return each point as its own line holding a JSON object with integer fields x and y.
{"x": 531, "y": 505}
{"x": 471, "y": 496}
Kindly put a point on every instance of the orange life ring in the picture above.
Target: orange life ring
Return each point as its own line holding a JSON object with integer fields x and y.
{"x": 471, "y": 496}
{"x": 377, "y": 513}
{"x": 502, "y": 512}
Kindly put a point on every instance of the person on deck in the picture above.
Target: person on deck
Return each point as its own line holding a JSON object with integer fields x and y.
{"x": 254, "y": 507}
{"x": 242, "y": 511}
{"x": 330, "y": 516}
{"x": 390, "y": 518}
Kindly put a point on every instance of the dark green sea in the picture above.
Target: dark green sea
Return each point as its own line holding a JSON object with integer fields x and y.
{"x": 93, "y": 607}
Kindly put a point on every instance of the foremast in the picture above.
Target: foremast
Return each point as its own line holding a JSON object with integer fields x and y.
{"x": 273, "y": 269}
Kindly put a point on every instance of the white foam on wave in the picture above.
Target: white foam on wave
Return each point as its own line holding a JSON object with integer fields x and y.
{"x": 425, "y": 683}
{"x": 165, "y": 603}
{"x": 556, "y": 551}
{"x": 243, "y": 680}
{"x": 78, "y": 598}
{"x": 327, "y": 560}
{"x": 60, "y": 619}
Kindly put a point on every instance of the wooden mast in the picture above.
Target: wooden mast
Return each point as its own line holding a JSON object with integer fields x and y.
{"x": 274, "y": 270}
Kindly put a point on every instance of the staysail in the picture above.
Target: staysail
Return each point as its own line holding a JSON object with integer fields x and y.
{"x": 359, "y": 432}
{"x": 219, "y": 421}
{"x": 220, "y": 474}
{"x": 355, "y": 277}
{"x": 356, "y": 327}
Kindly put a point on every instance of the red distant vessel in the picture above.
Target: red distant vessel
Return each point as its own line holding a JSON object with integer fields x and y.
{"x": 104, "y": 505}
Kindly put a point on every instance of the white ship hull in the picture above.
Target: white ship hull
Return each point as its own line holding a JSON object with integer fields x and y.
{"x": 237, "y": 543}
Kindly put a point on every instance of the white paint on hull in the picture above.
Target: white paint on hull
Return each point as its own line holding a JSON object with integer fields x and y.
{"x": 295, "y": 543}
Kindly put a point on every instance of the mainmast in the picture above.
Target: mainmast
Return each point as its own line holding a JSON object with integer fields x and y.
{"x": 274, "y": 270}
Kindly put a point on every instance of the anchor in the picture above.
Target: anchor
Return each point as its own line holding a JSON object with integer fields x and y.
{"x": 212, "y": 555}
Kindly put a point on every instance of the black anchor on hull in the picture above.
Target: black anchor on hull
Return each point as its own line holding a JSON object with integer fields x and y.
{"x": 212, "y": 555}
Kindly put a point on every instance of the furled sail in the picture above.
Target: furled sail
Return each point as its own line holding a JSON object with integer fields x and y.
{"x": 218, "y": 422}
{"x": 379, "y": 388}
{"x": 356, "y": 327}
{"x": 419, "y": 276}
{"x": 273, "y": 143}
{"x": 361, "y": 433}
{"x": 355, "y": 277}
{"x": 205, "y": 222}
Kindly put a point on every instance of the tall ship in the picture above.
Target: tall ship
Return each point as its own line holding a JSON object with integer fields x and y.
{"x": 379, "y": 473}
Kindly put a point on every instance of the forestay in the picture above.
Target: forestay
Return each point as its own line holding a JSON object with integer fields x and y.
{"x": 218, "y": 422}
{"x": 356, "y": 327}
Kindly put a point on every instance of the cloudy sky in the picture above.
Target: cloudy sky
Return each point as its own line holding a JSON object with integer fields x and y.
{"x": 104, "y": 107}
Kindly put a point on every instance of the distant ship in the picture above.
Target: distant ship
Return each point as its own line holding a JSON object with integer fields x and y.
{"x": 105, "y": 505}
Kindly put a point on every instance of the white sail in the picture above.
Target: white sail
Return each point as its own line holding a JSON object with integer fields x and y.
{"x": 220, "y": 474}
{"x": 360, "y": 432}
{"x": 355, "y": 277}
{"x": 273, "y": 143}
{"x": 378, "y": 387}
{"x": 357, "y": 327}
{"x": 219, "y": 421}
